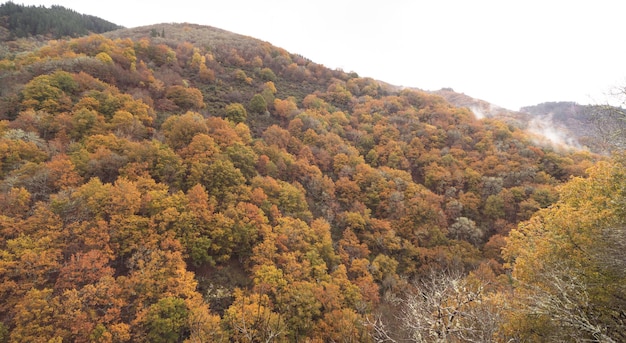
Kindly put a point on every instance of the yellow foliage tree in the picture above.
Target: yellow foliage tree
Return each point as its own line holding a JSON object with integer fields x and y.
{"x": 568, "y": 262}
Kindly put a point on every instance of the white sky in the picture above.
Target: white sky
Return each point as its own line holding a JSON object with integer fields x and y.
{"x": 510, "y": 53}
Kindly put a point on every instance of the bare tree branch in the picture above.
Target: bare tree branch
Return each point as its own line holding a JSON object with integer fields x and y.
{"x": 380, "y": 332}
{"x": 563, "y": 297}
{"x": 445, "y": 307}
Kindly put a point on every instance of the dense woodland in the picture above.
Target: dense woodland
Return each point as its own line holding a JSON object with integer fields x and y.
{"x": 201, "y": 186}
{"x": 55, "y": 22}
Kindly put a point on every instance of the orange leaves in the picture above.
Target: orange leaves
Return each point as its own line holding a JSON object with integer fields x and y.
{"x": 18, "y": 150}
{"x": 202, "y": 148}
{"x": 251, "y": 319}
{"x": 27, "y": 262}
{"x": 82, "y": 269}
{"x": 125, "y": 197}
{"x": 62, "y": 172}
{"x": 343, "y": 325}
{"x": 34, "y": 320}
{"x": 15, "y": 203}
{"x": 226, "y": 133}
{"x": 285, "y": 108}
{"x": 180, "y": 130}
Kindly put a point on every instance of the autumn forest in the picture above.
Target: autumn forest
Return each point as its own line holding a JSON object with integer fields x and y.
{"x": 180, "y": 183}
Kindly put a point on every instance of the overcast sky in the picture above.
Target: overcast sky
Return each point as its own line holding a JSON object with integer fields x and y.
{"x": 510, "y": 53}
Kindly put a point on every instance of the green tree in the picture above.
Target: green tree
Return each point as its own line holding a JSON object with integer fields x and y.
{"x": 243, "y": 158}
{"x": 186, "y": 98}
{"x": 267, "y": 74}
{"x": 223, "y": 180}
{"x": 236, "y": 113}
{"x": 258, "y": 104}
{"x": 41, "y": 93}
{"x": 167, "y": 321}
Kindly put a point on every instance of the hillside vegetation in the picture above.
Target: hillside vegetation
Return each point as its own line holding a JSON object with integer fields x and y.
{"x": 196, "y": 185}
{"x": 21, "y": 21}
{"x": 600, "y": 129}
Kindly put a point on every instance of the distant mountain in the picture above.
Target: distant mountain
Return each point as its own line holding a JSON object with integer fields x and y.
{"x": 601, "y": 128}
{"x": 19, "y": 21}
{"x": 594, "y": 127}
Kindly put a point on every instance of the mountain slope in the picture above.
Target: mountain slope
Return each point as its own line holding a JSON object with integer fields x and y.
{"x": 563, "y": 124}
{"x": 600, "y": 128}
{"x": 184, "y": 175}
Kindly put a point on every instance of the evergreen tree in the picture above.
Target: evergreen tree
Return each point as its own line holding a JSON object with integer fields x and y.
{"x": 56, "y": 21}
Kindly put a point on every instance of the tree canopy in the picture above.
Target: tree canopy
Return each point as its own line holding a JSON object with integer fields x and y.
{"x": 202, "y": 186}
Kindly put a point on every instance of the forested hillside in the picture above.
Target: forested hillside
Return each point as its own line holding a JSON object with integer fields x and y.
{"x": 600, "y": 129}
{"x": 21, "y": 21}
{"x": 182, "y": 183}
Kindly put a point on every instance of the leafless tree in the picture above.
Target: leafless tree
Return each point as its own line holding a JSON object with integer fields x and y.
{"x": 610, "y": 121}
{"x": 379, "y": 330}
{"x": 563, "y": 297}
{"x": 445, "y": 307}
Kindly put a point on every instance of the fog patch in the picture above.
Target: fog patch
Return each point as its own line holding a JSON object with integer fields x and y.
{"x": 548, "y": 132}
{"x": 478, "y": 113}
{"x": 485, "y": 110}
